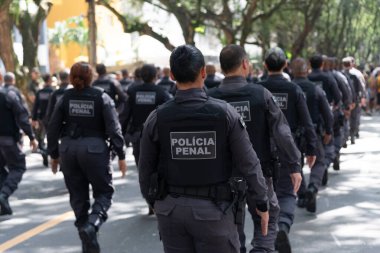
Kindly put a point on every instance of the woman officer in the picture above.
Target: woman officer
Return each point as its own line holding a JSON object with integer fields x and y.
{"x": 84, "y": 119}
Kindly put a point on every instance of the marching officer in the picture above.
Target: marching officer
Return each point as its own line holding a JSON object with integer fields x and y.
{"x": 165, "y": 82}
{"x": 38, "y": 115}
{"x": 291, "y": 100}
{"x": 211, "y": 80}
{"x": 111, "y": 86}
{"x": 84, "y": 119}
{"x": 191, "y": 147}
{"x": 264, "y": 120}
{"x": 57, "y": 94}
{"x": 322, "y": 118}
{"x": 142, "y": 100}
{"x": 14, "y": 116}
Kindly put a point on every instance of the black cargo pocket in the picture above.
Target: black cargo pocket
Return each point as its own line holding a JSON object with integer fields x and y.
{"x": 95, "y": 149}
{"x": 207, "y": 213}
{"x": 162, "y": 208}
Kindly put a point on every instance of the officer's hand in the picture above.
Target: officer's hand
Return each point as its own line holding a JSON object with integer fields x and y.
{"x": 363, "y": 102}
{"x": 35, "y": 124}
{"x": 33, "y": 145}
{"x": 54, "y": 165}
{"x": 327, "y": 139}
{"x": 296, "y": 180}
{"x": 123, "y": 167}
{"x": 310, "y": 160}
{"x": 264, "y": 221}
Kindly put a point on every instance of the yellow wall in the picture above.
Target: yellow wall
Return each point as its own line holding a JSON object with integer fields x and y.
{"x": 62, "y": 10}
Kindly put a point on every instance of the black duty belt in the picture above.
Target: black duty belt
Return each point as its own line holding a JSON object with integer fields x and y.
{"x": 216, "y": 192}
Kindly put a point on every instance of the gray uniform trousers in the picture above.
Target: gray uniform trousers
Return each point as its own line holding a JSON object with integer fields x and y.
{"x": 346, "y": 131}
{"x": 285, "y": 195}
{"x": 260, "y": 243}
{"x": 188, "y": 225}
{"x": 84, "y": 162}
{"x": 13, "y": 158}
{"x": 355, "y": 121}
{"x": 317, "y": 171}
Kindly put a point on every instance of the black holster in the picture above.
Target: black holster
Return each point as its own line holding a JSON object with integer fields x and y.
{"x": 157, "y": 189}
{"x": 238, "y": 188}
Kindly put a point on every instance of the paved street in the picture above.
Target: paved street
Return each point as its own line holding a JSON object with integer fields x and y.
{"x": 347, "y": 219}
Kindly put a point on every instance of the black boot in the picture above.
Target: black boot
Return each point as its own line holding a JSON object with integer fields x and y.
{"x": 301, "y": 201}
{"x": 5, "y": 208}
{"x": 325, "y": 178}
{"x": 89, "y": 237}
{"x": 282, "y": 243}
{"x": 336, "y": 163}
{"x": 311, "y": 198}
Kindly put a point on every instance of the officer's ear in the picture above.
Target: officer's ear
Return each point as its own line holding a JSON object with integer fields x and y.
{"x": 203, "y": 72}
{"x": 172, "y": 76}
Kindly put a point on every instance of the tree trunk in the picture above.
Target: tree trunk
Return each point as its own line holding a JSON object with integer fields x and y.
{"x": 92, "y": 32}
{"x": 6, "y": 44}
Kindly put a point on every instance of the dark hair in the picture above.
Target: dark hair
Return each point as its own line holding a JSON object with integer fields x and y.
{"x": 81, "y": 75}
{"x": 186, "y": 62}
{"x": 63, "y": 75}
{"x": 101, "y": 69}
{"x": 148, "y": 73}
{"x": 316, "y": 61}
{"x": 46, "y": 77}
{"x": 299, "y": 67}
{"x": 275, "y": 59}
{"x": 231, "y": 57}
{"x": 124, "y": 72}
{"x": 137, "y": 73}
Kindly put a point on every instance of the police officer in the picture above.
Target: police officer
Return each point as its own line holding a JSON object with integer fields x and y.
{"x": 57, "y": 94}
{"x": 38, "y": 115}
{"x": 165, "y": 81}
{"x": 211, "y": 80}
{"x": 111, "y": 86}
{"x": 14, "y": 116}
{"x": 291, "y": 100}
{"x": 322, "y": 118}
{"x": 33, "y": 86}
{"x": 189, "y": 144}
{"x": 125, "y": 82}
{"x": 83, "y": 120}
{"x": 263, "y": 119}
{"x": 359, "y": 95}
{"x": 142, "y": 100}
{"x": 334, "y": 97}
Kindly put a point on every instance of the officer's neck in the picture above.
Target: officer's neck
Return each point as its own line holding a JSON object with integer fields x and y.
{"x": 275, "y": 73}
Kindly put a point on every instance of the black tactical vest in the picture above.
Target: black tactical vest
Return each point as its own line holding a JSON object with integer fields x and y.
{"x": 144, "y": 99}
{"x": 83, "y": 113}
{"x": 43, "y": 98}
{"x": 285, "y": 96}
{"x": 107, "y": 85}
{"x": 193, "y": 144}
{"x": 249, "y": 102}
{"x": 309, "y": 89}
{"x": 8, "y": 126}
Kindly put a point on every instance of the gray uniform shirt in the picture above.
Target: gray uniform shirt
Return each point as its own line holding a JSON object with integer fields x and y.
{"x": 20, "y": 113}
{"x": 243, "y": 155}
{"x": 279, "y": 127}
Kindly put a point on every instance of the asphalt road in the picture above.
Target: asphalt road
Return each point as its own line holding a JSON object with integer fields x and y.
{"x": 347, "y": 217}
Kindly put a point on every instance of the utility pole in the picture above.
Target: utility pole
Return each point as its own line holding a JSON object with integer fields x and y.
{"x": 92, "y": 32}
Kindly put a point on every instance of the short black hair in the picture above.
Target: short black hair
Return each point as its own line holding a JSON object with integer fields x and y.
{"x": 186, "y": 62}
{"x": 101, "y": 69}
{"x": 63, "y": 75}
{"x": 148, "y": 73}
{"x": 275, "y": 59}
{"x": 316, "y": 61}
{"x": 46, "y": 77}
{"x": 137, "y": 72}
{"x": 231, "y": 57}
{"x": 124, "y": 72}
